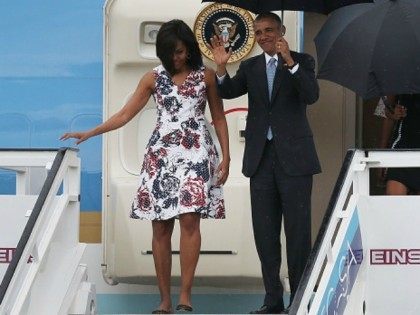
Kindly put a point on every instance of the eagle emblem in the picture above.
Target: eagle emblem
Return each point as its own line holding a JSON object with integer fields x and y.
{"x": 234, "y": 25}
{"x": 226, "y": 29}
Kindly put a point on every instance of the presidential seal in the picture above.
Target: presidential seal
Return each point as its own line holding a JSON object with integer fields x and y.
{"x": 233, "y": 24}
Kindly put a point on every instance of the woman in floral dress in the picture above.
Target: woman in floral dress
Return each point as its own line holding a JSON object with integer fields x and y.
{"x": 181, "y": 175}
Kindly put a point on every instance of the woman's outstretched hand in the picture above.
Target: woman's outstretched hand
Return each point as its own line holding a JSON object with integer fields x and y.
{"x": 80, "y": 136}
{"x": 223, "y": 172}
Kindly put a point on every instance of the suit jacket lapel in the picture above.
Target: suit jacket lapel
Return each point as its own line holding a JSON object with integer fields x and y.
{"x": 278, "y": 78}
{"x": 261, "y": 76}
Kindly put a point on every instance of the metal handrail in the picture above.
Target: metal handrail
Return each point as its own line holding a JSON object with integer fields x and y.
{"x": 33, "y": 217}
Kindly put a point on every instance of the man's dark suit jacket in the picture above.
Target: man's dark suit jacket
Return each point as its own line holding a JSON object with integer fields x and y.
{"x": 286, "y": 113}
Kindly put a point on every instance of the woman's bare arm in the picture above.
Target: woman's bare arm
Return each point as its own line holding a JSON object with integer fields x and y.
{"x": 220, "y": 124}
{"x": 134, "y": 105}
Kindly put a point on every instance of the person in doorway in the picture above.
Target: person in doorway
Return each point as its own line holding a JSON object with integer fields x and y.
{"x": 280, "y": 156}
{"x": 181, "y": 176}
{"x": 388, "y": 113}
{"x": 406, "y": 116}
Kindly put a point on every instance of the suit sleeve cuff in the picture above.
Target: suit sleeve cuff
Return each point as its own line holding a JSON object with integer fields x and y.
{"x": 294, "y": 69}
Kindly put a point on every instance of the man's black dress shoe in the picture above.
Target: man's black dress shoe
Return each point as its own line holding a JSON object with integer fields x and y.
{"x": 267, "y": 309}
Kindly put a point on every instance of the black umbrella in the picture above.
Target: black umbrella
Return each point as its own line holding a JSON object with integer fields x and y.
{"x": 319, "y": 6}
{"x": 372, "y": 49}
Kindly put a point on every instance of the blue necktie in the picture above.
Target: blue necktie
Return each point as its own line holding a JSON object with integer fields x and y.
{"x": 271, "y": 71}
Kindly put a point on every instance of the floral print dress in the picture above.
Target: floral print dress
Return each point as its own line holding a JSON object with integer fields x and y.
{"x": 178, "y": 174}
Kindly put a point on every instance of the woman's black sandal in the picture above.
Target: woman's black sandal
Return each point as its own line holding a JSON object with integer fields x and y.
{"x": 183, "y": 307}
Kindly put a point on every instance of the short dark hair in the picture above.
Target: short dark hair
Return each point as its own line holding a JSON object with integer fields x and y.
{"x": 270, "y": 16}
{"x": 169, "y": 34}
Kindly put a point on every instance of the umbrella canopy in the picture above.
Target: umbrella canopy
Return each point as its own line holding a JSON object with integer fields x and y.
{"x": 372, "y": 49}
{"x": 319, "y": 6}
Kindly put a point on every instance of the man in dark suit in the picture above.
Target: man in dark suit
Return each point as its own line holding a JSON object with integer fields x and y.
{"x": 280, "y": 156}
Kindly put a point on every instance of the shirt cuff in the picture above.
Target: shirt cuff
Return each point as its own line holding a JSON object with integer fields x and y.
{"x": 220, "y": 79}
{"x": 294, "y": 69}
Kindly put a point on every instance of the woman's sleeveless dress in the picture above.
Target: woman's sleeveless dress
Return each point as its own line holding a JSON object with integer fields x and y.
{"x": 178, "y": 174}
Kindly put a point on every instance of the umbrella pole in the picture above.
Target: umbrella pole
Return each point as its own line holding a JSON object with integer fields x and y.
{"x": 282, "y": 15}
{"x": 282, "y": 21}
{"x": 387, "y": 104}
